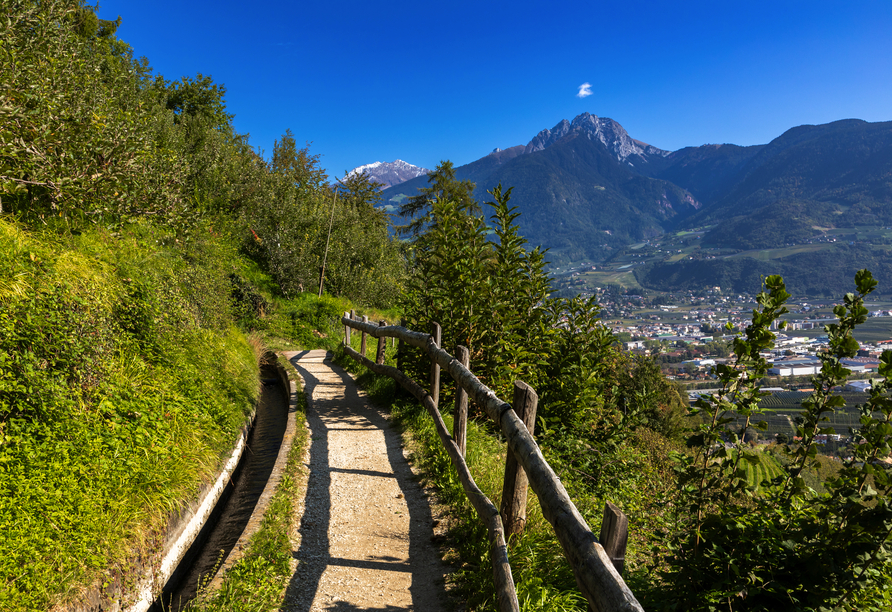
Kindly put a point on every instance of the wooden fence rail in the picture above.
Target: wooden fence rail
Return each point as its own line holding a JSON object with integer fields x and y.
{"x": 597, "y": 577}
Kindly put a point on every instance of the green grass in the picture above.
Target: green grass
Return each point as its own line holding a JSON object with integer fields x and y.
{"x": 123, "y": 381}
{"x": 764, "y": 471}
{"x": 769, "y": 254}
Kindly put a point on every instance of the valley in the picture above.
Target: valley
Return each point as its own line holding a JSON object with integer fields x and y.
{"x": 619, "y": 267}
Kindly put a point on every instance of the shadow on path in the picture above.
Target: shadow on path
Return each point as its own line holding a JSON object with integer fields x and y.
{"x": 344, "y": 410}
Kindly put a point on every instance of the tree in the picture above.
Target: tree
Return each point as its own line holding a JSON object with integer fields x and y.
{"x": 198, "y": 97}
{"x": 291, "y": 223}
{"x": 360, "y": 191}
{"x": 737, "y": 547}
{"x": 443, "y": 186}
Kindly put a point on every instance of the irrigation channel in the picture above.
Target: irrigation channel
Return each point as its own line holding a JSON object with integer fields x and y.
{"x": 234, "y": 509}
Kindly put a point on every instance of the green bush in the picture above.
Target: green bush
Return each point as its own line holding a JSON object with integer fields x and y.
{"x": 122, "y": 381}
{"x": 734, "y": 545}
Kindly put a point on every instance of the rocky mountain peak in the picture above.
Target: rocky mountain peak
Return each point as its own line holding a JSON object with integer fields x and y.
{"x": 390, "y": 173}
{"x": 610, "y": 133}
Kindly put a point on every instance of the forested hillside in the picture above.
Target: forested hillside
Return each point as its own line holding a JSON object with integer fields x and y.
{"x": 141, "y": 240}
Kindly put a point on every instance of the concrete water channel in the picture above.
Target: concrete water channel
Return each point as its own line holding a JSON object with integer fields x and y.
{"x": 237, "y": 504}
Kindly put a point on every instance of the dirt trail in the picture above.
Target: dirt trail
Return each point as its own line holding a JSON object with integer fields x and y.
{"x": 365, "y": 532}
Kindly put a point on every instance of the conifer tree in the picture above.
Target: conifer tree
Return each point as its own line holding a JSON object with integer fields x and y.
{"x": 443, "y": 185}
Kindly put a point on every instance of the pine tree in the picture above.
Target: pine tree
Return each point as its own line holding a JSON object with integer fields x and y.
{"x": 444, "y": 186}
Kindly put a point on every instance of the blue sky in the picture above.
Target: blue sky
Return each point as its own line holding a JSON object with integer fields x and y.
{"x": 423, "y": 82}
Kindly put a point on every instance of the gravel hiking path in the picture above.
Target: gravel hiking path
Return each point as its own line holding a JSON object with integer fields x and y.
{"x": 364, "y": 540}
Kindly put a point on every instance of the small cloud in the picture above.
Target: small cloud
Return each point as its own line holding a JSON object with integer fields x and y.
{"x": 585, "y": 90}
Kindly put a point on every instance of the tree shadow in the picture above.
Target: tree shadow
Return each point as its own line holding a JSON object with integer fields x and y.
{"x": 314, "y": 556}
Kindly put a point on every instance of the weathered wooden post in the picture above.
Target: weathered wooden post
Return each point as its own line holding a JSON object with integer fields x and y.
{"x": 347, "y": 330}
{"x": 382, "y": 346}
{"x": 365, "y": 319}
{"x": 460, "y": 417}
{"x": 400, "y": 350}
{"x": 352, "y": 315}
{"x": 614, "y": 535}
{"x": 514, "y": 490}
{"x": 435, "y": 367}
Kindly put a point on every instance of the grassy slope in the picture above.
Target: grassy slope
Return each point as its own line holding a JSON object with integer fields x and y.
{"x": 122, "y": 382}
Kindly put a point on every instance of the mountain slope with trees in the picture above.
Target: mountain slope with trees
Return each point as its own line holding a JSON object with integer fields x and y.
{"x": 585, "y": 195}
{"x": 846, "y": 163}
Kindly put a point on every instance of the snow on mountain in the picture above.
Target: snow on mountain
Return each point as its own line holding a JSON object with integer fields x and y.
{"x": 390, "y": 173}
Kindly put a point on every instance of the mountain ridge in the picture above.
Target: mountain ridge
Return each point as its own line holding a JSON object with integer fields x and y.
{"x": 390, "y": 173}
{"x": 587, "y": 190}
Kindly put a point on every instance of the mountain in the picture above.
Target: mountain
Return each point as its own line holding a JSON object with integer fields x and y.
{"x": 812, "y": 205}
{"x": 708, "y": 172}
{"x": 607, "y": 131}
{"x": 588, "y": 190}
{"x": 579, "y": 187}
{"x": 847, "y": 163}
{"x": 390, "y": 173}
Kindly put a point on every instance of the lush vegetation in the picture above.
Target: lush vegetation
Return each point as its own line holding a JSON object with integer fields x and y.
{"x": 732, "y": 545}
{"x": 92, "y": 137}
{"x": 142, "y": 240}
{"x": 122, "y": 381}
{"x": 605, "y": 419}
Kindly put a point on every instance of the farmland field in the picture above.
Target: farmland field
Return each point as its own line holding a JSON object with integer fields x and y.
{"x": 766, "y": 469}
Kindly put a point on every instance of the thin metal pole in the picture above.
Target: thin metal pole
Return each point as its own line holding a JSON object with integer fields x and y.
{"x": 325, "y": 254}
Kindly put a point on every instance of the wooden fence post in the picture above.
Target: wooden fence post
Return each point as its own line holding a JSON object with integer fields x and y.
{"x": 435, "y": 367}
{"x": 514, "y": 490}
{"x": 382, "y": 346}
{"x": 614, "y": 535}
{"x": 365, "y": 319}
{"x": 352, "y": 315}
{"x": 347, "y": 330}
{"x": 460, "y": 416}
{"x": 400, "y": 350}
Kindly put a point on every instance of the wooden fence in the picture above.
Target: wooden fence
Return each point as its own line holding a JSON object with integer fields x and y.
{"x": 597, "y": 571}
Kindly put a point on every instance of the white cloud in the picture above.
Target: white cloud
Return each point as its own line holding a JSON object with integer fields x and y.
{"x": 585, "y": 90}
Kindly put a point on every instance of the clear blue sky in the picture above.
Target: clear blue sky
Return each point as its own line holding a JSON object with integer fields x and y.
{"x": 424, "y": 81}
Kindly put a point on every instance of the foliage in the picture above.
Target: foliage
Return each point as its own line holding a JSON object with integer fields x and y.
{"x": 90, "y": 136}
{"x": 443, "y": 186}
{"x": 303, "y": 221}
{"x": 493, "y": 296}
{"x": 599, "y": 410}
{"x": 733, "y": 547}
{"x": 122, "y": 381}
{"x": 76, "y": 127}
